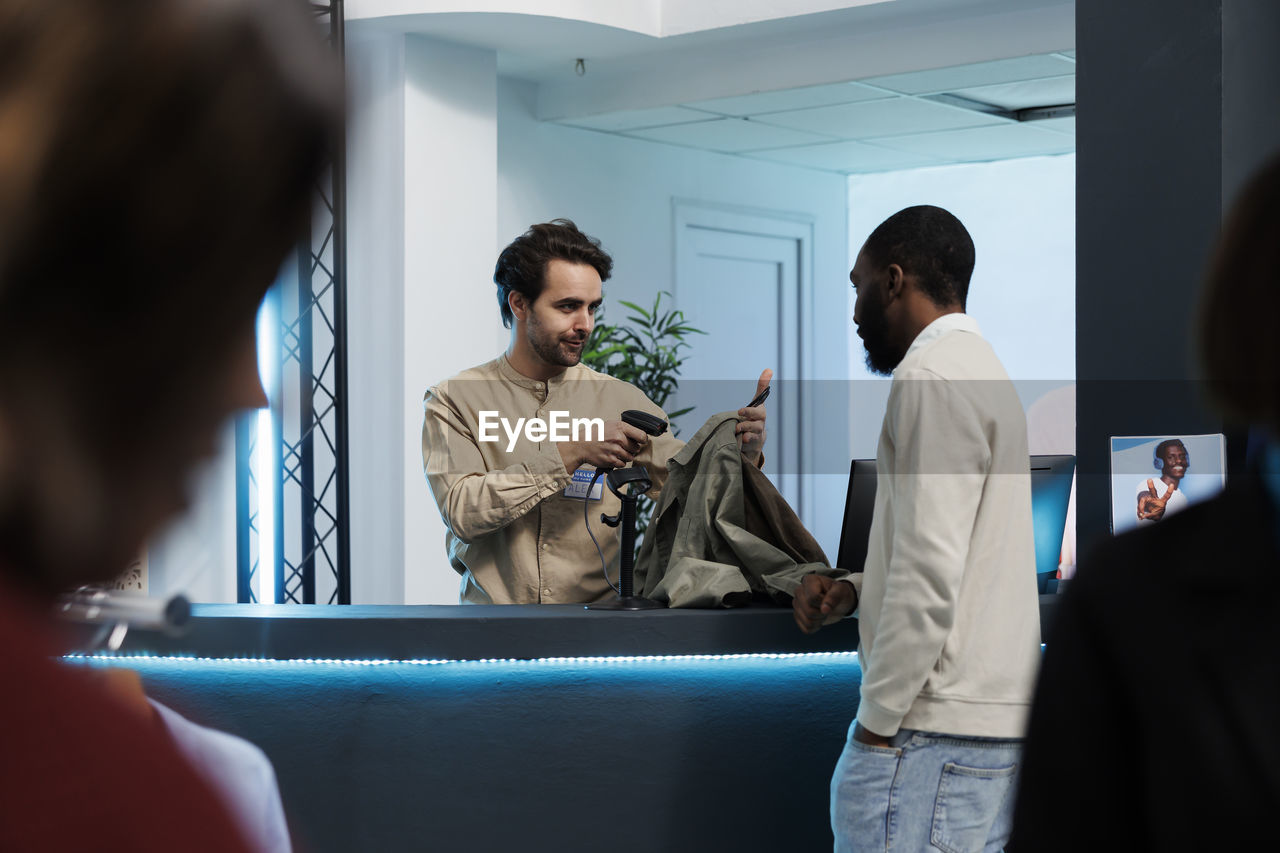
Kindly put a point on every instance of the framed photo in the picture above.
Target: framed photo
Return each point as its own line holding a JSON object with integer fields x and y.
{"x": 1155, "y": 476}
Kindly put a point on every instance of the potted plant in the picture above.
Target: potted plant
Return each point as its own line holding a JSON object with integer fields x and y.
{"x": 648, "y": 354}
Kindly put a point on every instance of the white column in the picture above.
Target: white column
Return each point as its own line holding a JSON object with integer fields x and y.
{"x": 422, "y": 207}
{"x": 375, "y": 296}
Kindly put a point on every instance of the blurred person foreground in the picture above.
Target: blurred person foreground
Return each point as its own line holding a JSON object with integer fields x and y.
{"x": 155, "y": 164}
{"x": 1153, "y": 723}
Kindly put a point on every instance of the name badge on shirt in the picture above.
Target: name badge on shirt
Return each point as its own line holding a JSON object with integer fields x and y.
{"x": 577, "y": 487}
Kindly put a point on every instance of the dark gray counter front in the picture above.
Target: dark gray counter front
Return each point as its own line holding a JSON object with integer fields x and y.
{"x": 518, "y": 632}
{"x": 522, "y": 632}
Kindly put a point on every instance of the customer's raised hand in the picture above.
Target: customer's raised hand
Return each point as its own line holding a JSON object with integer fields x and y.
{"x": 821, "y": 600}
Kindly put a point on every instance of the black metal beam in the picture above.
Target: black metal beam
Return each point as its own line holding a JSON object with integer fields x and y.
{"x": 343, "y": 592}
{"x": 321, "y": 407}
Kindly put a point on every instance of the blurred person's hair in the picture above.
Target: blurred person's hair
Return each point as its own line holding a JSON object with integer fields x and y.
{"x": 931, "y": 244}
{"x": 1238, "y": 344}
{"x": 156, "y": 163}
{"x": 522, "y": 266}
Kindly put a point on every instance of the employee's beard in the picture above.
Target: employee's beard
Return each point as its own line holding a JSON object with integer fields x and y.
{"x": 550, "y": 349}
{"x": 881, "y": 356}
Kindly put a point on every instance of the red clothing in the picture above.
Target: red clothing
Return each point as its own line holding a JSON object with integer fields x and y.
{"x": 80, "y": 771}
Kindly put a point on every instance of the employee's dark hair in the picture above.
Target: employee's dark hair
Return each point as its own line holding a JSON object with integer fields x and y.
{"x": 1166, "y": 444}
{"x": 522, "y": 266}
{"x": 929, "y": 243}
{"x": 1238, "y": 344}
{"x": 156, "y": 164}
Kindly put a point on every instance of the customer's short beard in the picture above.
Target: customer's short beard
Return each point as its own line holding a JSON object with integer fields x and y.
{"x": 881, "y": 356}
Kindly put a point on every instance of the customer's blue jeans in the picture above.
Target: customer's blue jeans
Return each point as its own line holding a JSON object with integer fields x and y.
{"x": 927, "y": 792}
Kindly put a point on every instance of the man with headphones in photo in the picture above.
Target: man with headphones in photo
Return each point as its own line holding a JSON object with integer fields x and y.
{"x": 1156, "y": 500}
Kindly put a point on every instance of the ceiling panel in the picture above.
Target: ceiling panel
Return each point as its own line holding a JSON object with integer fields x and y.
{"x": 880, "y": 118}
{"x": 632, "y": 119}
{"x": 1061, "y": 125}
{"x": 854, "y": 128}
{"x": 1045, "y": 92}
{"x": 979, "y": 74}
{"x": 728, "y": 134}
{"x": 760, "y": 103}
{"x": 983, "y": 143}
{"x": 847, "y": 157}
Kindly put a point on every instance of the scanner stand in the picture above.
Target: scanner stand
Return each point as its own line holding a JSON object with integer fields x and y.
{"x": 636, "y": 481}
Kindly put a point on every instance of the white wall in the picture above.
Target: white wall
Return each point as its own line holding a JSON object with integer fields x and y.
{"x": 620, "y": 191}
{"x": 451, "y": 142}
{"x": 375, "y": 294}
{"x": 1021, "y": 215}
{"x": 421, "y": 208}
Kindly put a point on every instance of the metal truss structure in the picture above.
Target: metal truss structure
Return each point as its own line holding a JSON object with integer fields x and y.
{"x": 306, "y": 457}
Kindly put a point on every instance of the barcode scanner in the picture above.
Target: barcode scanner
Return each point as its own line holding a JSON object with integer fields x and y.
{"x": 637, "y": 478}
{"x": 651, "y": 424}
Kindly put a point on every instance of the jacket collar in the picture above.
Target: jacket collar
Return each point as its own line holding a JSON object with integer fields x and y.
{"x": 958, "y": 322}
{"x": 682, "y": 464}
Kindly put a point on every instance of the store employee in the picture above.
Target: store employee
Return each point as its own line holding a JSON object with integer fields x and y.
{"x": 511, "y": 497}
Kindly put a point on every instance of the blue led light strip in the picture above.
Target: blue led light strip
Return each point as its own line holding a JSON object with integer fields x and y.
{"x": 126, "y": 658}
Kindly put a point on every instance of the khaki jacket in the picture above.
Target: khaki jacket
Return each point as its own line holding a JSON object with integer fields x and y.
{"x": 721, "y": 534}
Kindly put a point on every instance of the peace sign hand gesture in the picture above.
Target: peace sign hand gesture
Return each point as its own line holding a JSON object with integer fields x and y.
{"x": 1151, "y": 505}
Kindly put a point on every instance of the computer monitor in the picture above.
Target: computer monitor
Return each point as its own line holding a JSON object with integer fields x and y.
{"x": 1051, "y": 478}
{"x": 1050, "y": 491}
{"x": 859, "y": 503}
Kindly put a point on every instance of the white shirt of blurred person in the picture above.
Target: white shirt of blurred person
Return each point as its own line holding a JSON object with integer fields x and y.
{"x": 514, "y": 510}
{"x": 948, "y": 617}
{"x": 1160, "y": 497}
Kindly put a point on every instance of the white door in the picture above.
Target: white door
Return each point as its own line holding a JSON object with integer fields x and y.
{"x": 743, "y": 277}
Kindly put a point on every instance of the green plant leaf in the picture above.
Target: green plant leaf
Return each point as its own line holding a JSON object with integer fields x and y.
{"x": 647, "y": 351}
{"x": 633, "y": 306}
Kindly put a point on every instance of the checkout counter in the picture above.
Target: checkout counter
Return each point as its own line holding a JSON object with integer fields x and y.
{"x": 539, "y": 727}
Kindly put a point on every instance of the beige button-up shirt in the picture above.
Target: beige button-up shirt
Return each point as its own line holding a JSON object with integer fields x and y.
{"x": 513, "y": 534}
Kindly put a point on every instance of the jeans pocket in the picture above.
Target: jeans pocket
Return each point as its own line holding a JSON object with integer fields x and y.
{"x": 891, "y": 751}
{"x": 969, "y": 800}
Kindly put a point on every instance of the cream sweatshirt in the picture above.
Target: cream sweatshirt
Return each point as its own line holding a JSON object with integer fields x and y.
{"x": 947, "y": 603}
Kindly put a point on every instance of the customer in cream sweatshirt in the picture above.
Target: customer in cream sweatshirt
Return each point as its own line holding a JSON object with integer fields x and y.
{"x": 946, "y": 602}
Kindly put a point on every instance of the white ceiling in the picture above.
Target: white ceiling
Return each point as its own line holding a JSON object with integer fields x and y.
{"x": 536, "y": 43}
{"x": 850, "y": 88}
{"x": 877, "y": 124}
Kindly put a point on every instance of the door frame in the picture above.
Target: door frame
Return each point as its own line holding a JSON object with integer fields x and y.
{"x": 754, "y": 221}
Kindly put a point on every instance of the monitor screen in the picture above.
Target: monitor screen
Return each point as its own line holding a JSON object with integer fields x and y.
{"x": 1050, "y": 492}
